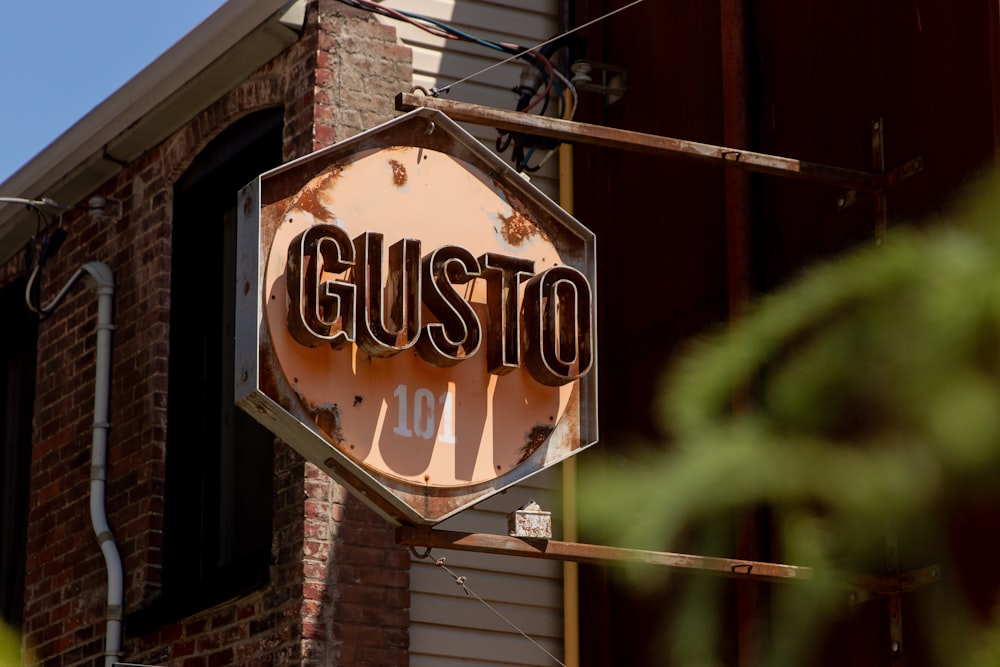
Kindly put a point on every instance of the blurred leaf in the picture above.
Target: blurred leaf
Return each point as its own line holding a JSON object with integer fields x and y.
{"x": 875, "y": 382}
{"x": 10, "y": 647}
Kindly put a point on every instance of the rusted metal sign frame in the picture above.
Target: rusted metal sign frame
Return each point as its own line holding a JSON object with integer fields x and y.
{"x": 639, "y": 142}
{"x": 263, "y": 391}
{"x": 863, "y": 587}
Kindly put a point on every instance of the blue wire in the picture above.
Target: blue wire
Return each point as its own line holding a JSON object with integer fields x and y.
{"x": 472, "y": 38}
{"x": 455, "y": 31}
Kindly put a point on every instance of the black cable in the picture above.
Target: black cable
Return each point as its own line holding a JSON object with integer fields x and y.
{"x": 528, "y": 95}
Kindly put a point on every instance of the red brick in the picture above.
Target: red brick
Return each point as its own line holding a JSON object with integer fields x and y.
{"x": 315, "y": 80}
{"x": 221, "y": 658}
{"x": 184, "y": 648}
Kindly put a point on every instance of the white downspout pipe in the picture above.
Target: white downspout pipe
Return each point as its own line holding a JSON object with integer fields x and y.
{"x": 100, "y": 277}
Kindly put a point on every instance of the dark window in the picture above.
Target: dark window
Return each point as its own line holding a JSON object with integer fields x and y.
{"x": 218, "y": 507}
{"x": 17, "y": 398}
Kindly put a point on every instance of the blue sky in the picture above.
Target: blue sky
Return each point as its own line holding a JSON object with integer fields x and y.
{"x": 61, "y": 58}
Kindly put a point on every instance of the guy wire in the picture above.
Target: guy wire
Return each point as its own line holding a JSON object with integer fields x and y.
{"x": 460, "y": 580}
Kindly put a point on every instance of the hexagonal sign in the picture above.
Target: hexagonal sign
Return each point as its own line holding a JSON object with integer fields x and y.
{"x": 415, "y": 318}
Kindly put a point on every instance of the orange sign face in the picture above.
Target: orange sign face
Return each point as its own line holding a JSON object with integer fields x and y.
{"x": 423, "y": 323}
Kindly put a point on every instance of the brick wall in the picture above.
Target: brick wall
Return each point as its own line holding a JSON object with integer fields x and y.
{"x": 339, "y": 591}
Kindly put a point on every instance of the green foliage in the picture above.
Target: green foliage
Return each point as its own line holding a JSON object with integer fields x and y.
{"x": 10, "y": 647}
{"x": 875, "y": 402}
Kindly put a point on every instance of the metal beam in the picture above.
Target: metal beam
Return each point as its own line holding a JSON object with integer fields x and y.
{"x": 639, "y": 142}
{"x": 594, "y": 554}
{"x": 867, "y": 585}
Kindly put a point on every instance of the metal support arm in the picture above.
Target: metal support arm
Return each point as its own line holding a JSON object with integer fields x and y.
{"x": 864, "y": 586}
{"x": 584, "y": 133}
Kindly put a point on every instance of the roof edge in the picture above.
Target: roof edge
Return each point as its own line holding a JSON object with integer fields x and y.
{"x": 75, "y": 164}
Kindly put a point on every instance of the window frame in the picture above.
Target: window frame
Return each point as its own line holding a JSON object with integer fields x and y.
{"x": 218, "y": 504}
{"x": 18, "y": 366}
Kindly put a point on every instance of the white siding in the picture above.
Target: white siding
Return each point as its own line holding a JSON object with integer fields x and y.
{"x": 447, "y": 627}
{"x": 438, "y": 62}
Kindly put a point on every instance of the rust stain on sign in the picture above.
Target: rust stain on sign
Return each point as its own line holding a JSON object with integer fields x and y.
{"x": 536, "y": 437}
{"x": 398, "y": 173}
{"x": 327, "y": 418}
{"x": 515, "y": 228}
{"x": 518, "y": 227}
{"x": 309, "y": 197}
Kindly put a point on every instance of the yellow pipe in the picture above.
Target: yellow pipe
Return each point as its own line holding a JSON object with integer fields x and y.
{"x": 571, "y": 578}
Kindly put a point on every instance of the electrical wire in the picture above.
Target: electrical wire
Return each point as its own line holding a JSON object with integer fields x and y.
{"x": 567, "y": 112}
{"x": 444, "y": 30}
{"x": 40, "y": 249}
{"x": 43, "y": 311}
{"x": 534, "y": 92}
{"x": 531, "y": 97}
{"x": 574, "y": 96}
{"x": 439, "y": 28}
{"x": 539, "y": 46}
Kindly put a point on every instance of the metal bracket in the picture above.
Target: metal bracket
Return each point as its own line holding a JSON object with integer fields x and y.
{"x": 893, "y": 586}
{"x": 896, "y": 175}
{"x": 104, "y": 209}
{"x": 891, "y": 535}
{"x": 865, "y": 588}
{"x": 901, "y": 173}
{"x": 610, "y": 79}
{"x": 878, "y": 163}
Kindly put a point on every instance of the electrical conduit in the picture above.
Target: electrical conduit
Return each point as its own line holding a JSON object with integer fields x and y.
{"x": 101, "y": 279}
